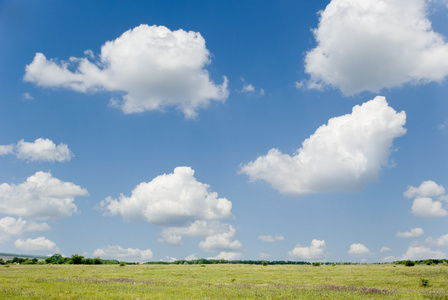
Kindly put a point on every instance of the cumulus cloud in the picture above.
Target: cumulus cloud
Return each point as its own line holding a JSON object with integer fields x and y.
{"x": 373, "y": 44}
{"x": 414, "y": 232}
{"x": 345, "y": 154}
{"x": 249, "y": 88}
{"x": 37, "y": 244}
{"x": 27, "y": 96}
{"x": 358, "y": 250}
{"x": 170, "y": 199}
{"x": 153, "y": 66}
{"x": 315, "y": 251}
{"x": 426, "y": 189}
{"x": 270, "y": 238}
{"x": 41, "y": 196}
{"x": 427, "y": 208}
{"x": 129, "y": 254}
{"x": 263, "y": 255}
{"x": 221, "y": 242}
{"x": 385, "y": 249}
{"x": 421, "y": 252}
{"x": 10, "y": 226}
{"x": 441, "y": 241}
{"x": 39, "y": 150}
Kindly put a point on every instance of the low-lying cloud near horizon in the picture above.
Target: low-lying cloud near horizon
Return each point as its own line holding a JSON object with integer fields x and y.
{"x": 345, "y": 154}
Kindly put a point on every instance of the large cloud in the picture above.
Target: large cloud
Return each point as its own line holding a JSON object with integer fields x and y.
{"x": 315, "y": 251}
{"x": 118, "y": 252}
{"x": 170, "y": 199}
{"x": 10, "y": 226}
{"x": 421, "y": 252}
{"x": 373, "y": 44}
{"x": 39, "y": 150}
{"x": 154, "y": 66}
{"x": 41, "y": 196}
{"x": 345, "y": 154}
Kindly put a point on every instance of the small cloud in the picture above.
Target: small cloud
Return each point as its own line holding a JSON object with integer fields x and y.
{"x": 191, "y": 257}
{"x": 37, "y": 244}
{"x": 250, "y": 89}
{"x": 315, "y": 251}
{"x": 129, "y": 254}
{"x": 358, "y": 250}
{"x": 426, "y": 189}
{"x": 443, "y": 125}
{"x": 385, "y": 249}
{"x": 270, "y": 238}
{"x": 421, "y": 253}
{"x": 39, "y": 150}
{"x": 427, "y": 208}
{"x": 414, "y": 232}
{"x": 440, "y": 242}
{"x": 27, "y": 96}
{"x": 6, "y": 149}
{"x": 227, "y": 255}
{"x": 263, "y": 255}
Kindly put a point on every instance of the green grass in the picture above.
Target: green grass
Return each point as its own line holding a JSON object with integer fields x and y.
{"x": 222, "y": 281}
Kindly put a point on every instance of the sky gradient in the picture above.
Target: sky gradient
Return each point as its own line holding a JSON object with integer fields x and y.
{"x": 271, "y": 130}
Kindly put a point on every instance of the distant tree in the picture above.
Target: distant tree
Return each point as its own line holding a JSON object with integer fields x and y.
{"x": 409, "y": 263}
{"x": 264, "y": 263}
{"x": 97, "y": 261}
{"x": 54, "y": 259}
{"x": 77, "y": 259}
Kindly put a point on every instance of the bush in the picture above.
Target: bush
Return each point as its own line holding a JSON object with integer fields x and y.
{"x": 316, "y": 264}
{"x": 264, "y": 263}
{"x": 424, "y": 282}
{"x": 122, "y": 264}
{"x": 409, "y": 263}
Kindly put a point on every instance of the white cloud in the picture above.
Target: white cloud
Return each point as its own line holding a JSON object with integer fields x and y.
{"x": 41, "y": 196}
{"x": 345, "y": 154}
{"x": 426, "y": 189}
{"x": 129, "y": 254}
{"x": 249, "y": 88}
{"x": 427, "y": 208}
{"x": 270, "y": 238}
{"x": 37, "y": 244}
{"x": 373, "y": 44}
{"x": 10, "y": 226}
{"x": 263, "y": 255}
{"x": 43, "y": 150}
{"x": 173, "y": 235}
{"x": 414, "y": 232}
{"x": 358, "y": 250}
{"x": 315, "y": 251}
{"x": 385, "y": 249}
{"x": 226, "y": 255}
{"x": 221, "y": 242}
{"x": 6, "y": 149}
{"x": 39, "y": 150}
{"x": 191, "y": 257}
{"x": 170, "y": 200}
{"x": 421, "y": 253}
{"x": 154, "y": 66}
{"x": 28, "y": 96}
{"x": 441, "y": 241}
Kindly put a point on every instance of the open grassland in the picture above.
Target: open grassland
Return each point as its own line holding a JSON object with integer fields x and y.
{"x": 223, "y": 281}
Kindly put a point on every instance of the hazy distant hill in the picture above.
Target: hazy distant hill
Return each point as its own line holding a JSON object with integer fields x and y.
{"x": 7, "y": 256}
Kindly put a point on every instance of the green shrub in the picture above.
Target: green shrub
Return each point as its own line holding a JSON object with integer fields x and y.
{"x": 409, "y": 263}
{"x": 316, "y": 264}
{"x": 122, "y": 264}
{"x": 264, "y": 263}
{"x": 424, "y": 282}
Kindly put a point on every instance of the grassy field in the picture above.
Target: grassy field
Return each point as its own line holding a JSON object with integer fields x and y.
{"x": 222, "y": 281}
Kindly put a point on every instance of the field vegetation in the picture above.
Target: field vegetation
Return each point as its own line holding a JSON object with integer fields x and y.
{"x": 223, "y": 281}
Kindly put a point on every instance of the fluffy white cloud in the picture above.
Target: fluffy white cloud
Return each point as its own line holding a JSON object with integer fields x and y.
{"x": 373, "y": 44}
{"x": 358, "y": 250}
{"x": 315, "y": 251}
{"x": 221, "y": 242}
{"x": 129, "y": 254}
{"x": 426, "y": 189}
{"x": 427, "y": 208}
{"x": 345, "y": 154}
{"x": 441, "y": 241}
{"x": 41, "y": 196}
{"x": 154, "y": 66}
{"x": 39, "y": 150}
{"x": 263, "y": 255}
{"x": 227, "y": 255}
{"x": 421, "y": 253}
{"x": 37, "y": 244}
{"x": 170, "y": 199}
{"x": 414, "y": 232}
{"x": 270, "y": 238}
{"x": 10, "y": 226}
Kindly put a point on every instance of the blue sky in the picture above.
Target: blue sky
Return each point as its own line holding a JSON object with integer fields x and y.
{"x": 278, "y": 130}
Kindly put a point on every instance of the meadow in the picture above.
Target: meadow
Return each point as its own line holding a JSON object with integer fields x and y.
{"x": 223, "y": 281}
